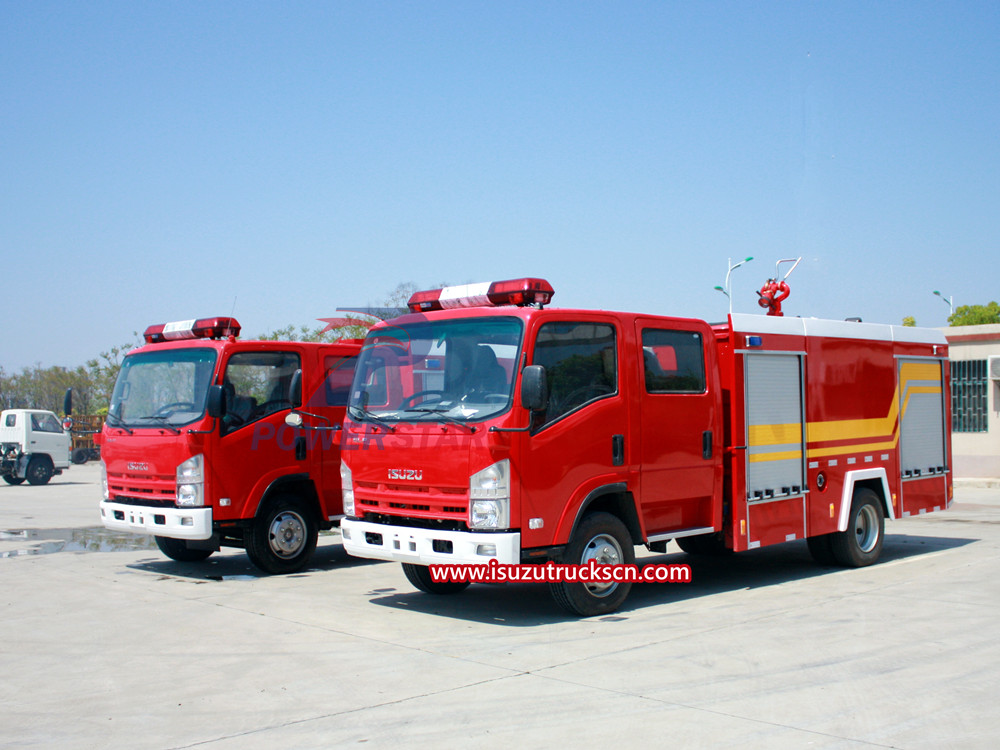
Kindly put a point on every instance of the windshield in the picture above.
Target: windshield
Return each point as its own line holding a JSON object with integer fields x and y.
{"x": 164, "y": 388}
{"x": 443, "y": 371}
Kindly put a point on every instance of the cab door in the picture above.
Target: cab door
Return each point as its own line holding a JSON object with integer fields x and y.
{"x": 577, "y": 446}
{"x": 45, "y": 435}
{"x": 255, "y": 446}
{"x": 680, "y": 430}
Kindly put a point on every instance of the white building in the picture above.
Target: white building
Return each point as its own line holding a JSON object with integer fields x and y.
{"x": 974, "y": 352}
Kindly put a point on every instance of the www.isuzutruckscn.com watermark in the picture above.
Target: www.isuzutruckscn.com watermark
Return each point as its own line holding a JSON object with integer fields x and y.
{"x": 551, "y": 572}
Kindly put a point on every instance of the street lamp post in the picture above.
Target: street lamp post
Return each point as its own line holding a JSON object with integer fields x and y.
{"x": 725, "y": 290}
{"x": 949, "y": 300}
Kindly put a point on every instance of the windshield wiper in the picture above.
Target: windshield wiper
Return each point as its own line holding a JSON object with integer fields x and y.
{"x": 164, "y": 423}
{"x": 120, "y": 424}
{"x": 441, "y": 413}
{"x": 367, "y": 416}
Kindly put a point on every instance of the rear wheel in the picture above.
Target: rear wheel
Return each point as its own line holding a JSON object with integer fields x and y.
{"x": 861, "y": 543}
{"x": 602, "y": 539}
{"x": 12, "y": 480}
{"x": 39, "y": 470}
{"x": 283, "y": 537}
{"x": 420, "y": 577}
{"x": 177, "y": 549}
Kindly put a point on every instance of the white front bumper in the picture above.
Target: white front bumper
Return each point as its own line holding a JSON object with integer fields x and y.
{"x": 176, "y": 523}
{"x": 409, "y": 545}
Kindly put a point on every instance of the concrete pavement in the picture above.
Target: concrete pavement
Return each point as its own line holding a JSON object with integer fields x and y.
{"x": 109, "y": 644}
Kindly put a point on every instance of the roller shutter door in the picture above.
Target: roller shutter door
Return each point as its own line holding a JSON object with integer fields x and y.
{"x": 774, "y": 426}
{"x": 921, "y": 415}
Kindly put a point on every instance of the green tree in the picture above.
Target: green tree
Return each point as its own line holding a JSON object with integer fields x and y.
{"x": 975, "y": 315}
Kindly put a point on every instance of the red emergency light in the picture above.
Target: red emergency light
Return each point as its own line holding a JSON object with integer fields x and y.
{"x": 485, "y": 294}
{"x": 201, "y": 328}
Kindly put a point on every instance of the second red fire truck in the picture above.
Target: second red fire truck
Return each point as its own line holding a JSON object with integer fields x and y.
{"x": 196, "y": 452}
{"x": 486, "y": 427}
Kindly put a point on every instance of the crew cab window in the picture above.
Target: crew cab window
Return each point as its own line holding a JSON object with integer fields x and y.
{"x": 580, "y": 361}
{"x": 339, "y": 374}
{"x": 45, "y": 423}
{"x": 11, "y": 420}
{"x": 257, "y": 384}
{"x": 673, "y": 361}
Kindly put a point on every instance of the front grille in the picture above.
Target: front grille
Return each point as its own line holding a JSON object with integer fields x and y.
{"x": 151, "y": 490}
{"x": 413, "y": 501}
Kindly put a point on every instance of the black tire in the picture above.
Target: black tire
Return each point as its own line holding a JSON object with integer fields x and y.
{"x": 821, "y": 549}
{"x": 39, "y": 470}
{"x": 283, "y": 537}
{"x": 12, "y": 480}
{"x": 177, "y": 549}
{"x": 80, "y": 456}
{"x": 861, "y": 543}
{"x": 703, "y": 544}
{"x": 420, "y": 577}
{"x": 603, "y": 538}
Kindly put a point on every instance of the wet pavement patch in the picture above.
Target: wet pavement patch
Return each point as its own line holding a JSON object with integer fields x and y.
{"x": 89, "y": 539}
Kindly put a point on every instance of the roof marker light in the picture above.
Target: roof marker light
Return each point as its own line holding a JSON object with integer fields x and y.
{"x": 200, "y": 328}
{"x": 486, "y": 294}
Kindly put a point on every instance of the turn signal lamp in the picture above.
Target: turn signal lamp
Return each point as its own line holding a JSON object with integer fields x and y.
{"x": 201, "y": 328}
{"x": 486, "y": 294}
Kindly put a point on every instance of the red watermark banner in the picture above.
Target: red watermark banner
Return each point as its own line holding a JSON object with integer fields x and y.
{"x": 550, "y": 572}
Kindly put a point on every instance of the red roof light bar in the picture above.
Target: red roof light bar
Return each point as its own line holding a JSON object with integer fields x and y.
{"x": 200, "y": 328}
{"x": 486, "y": 294}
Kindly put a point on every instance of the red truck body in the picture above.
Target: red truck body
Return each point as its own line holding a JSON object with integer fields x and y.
{"x": 196, "y": 452}
{"x": 723, "y": 437}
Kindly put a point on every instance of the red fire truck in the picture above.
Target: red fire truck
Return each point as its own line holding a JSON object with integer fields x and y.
{"x": 485, "y": 426}
{"x": 196, "y": 452}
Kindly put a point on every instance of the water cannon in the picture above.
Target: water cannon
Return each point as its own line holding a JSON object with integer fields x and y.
{"x": 776, "y": 291}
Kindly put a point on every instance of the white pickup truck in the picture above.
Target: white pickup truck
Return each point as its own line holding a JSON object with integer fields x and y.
{"x": 33, "y": 446}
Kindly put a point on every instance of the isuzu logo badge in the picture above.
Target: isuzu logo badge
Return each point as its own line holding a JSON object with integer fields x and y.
{"x": 138, "y": 466}
{"x": 415, "y": 474}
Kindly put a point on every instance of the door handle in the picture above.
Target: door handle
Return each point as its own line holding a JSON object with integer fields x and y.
{"x": 617, "y": 450}
{"x": 706, "y": 444}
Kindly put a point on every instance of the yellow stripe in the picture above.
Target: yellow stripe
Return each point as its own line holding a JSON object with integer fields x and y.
{"x": 919, "y": 371}
{"x": 756, "y": 458}
{"x": 775, "y": 434}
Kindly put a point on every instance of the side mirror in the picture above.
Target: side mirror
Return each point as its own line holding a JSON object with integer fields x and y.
{"x": 295, "y": 389}
{"x": 68, "y": 402}
{"x": 534, "y": 388}
{"x": 217, "y": 401}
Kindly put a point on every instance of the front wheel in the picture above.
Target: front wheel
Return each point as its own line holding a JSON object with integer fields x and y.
{"x": 39, "y": 470}
{"x": 420, "y": 577}
{"x": 177, "y": 549}
{"x": 602, "y": 539}
{"x": 282, "y": 539}
{"x": 9, "y": 479}
{"x": 861, "y": 543}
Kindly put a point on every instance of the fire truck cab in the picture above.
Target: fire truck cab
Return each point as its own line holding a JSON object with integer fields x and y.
{"x": 485, "y": 426}
{"x": 196, "y": 452}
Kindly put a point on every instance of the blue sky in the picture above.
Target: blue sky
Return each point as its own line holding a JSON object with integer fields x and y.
{"x": 162, "y": 161}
